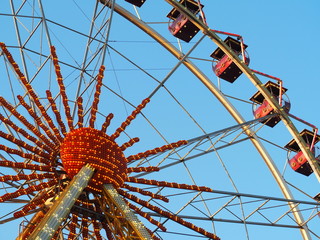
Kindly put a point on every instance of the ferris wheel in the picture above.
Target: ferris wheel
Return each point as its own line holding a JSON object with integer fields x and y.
{"x": 135, "y": 119}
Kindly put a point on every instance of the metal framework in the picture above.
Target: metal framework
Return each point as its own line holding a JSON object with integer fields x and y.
{"x": 256, "y": 82}
{"x": 238, "y": 133}
{"x": 231, "y": 109}
{"x": 121, "y": 217}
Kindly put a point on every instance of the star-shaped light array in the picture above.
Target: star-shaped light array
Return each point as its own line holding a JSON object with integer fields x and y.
{"x": 55, "y": 152}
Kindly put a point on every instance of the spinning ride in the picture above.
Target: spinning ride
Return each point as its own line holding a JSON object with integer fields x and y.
{"x": 51, "y": 135}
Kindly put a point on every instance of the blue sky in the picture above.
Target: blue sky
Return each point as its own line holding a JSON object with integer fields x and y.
{"x": 282, "y": 41}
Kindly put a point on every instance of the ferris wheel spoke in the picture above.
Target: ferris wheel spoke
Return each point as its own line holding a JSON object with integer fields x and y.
{"x": 262, "y": 204}
{"x": 182, "y": 58}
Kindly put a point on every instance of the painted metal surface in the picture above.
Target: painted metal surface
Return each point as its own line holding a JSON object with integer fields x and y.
{"x": 224, "y": 101}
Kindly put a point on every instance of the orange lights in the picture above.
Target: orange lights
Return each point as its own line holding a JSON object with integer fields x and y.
{"x": 168, "y": 184}
{"x": 24, "y": 155}
{"x": 143, "y": 169}
{"x": 62, "y": 87}
{"x": 106, "y": 123}
{"x": 80, "y": 112}
{"x": 168, "y": 215}
{"x": 94, "y": 108}
{"x": 22, "y": 165}
{"x": 26, "y": 177}
{"x": 72, "y": 226}
{"x": 146, "y": 216}
{"x": 130, "y": 118}
{"x": 28, "y": 190}
{"x": 38, "y": 119}
{"x": 24, "y": 145}
{"x": 22, "y": 119}
{"x": 56, "y": 112}
{"x": 156, "y": 150}
{"x": 146, "y": 193}
{"x": 88, "y": 145}
{"x": 39, "y": 201}
{"x": 23, "y": 133}
{"x": 56, "y": 150}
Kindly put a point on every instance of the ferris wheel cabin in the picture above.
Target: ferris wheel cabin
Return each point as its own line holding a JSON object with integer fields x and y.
{"x": 264, "y": 108}
{"x": 225, "y": 67}
{"x": 137, "y": 3}
{"x": 299, "y": 162}
{"x": 181, "y": 27}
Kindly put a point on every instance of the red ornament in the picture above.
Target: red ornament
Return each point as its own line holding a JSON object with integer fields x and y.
{"x": 89, "y": 145}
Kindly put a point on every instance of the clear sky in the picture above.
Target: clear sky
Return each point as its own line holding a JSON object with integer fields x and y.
{"x": 282, "y": 39}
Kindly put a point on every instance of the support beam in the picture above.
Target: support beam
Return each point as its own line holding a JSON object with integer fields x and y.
{"x": 121, "y": 212}
{"x": 62, "y": 206}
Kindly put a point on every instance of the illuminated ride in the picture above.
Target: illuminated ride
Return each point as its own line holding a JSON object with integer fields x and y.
{"x": 69, "y": 173}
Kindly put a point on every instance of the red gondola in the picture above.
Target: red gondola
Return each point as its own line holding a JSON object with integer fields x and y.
{"x": 299, "y": 162}
{"x": 181, "y": 27}
{"x": 137, "y": 3}
{"x": 265, "y": 108}
{"x": 225, "y": 67}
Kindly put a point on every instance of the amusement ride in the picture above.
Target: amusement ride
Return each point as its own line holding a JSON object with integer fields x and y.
{"x": 97, "y": 143}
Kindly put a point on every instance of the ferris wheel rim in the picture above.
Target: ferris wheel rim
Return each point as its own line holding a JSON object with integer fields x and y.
{"x": 233, "y": 112}
{"x": 256, "y": 82}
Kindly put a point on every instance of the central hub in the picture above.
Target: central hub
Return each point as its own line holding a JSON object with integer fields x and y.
{"x": 88, "y": 145}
